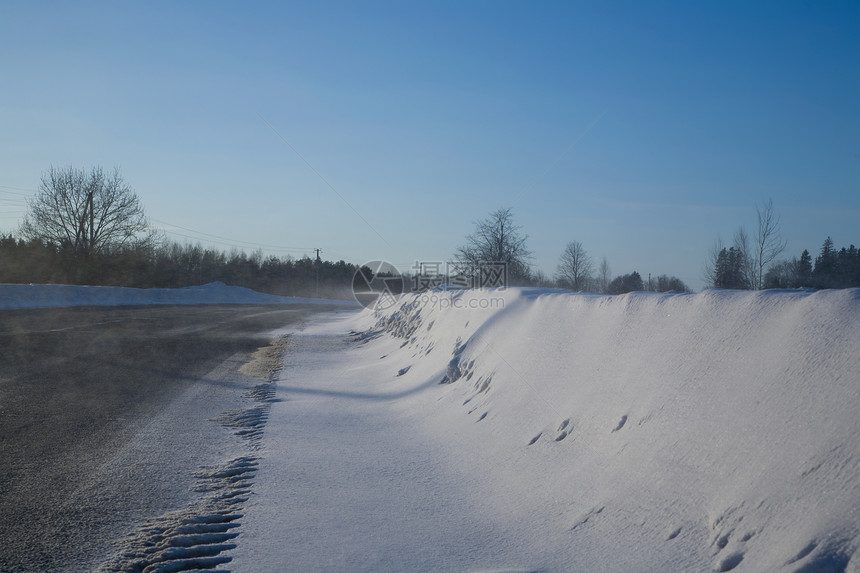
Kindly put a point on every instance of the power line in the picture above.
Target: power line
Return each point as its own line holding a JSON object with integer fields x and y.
{"x": 3, "y": 189}
{"x": 234, "y": 245}
{"x": 229, "y": 238}
{"x": 229, "y": 241}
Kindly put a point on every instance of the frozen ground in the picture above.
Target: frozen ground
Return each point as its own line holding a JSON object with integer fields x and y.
{"x": 565, "y": 432}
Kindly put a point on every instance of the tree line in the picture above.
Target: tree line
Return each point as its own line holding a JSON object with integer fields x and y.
{"x": 172, "y": 265}
{"x": 832, "y": 268}
{"x": 751, "y": 261}
{"x": 89, "y": 227}
{"x": 498, "y": 239}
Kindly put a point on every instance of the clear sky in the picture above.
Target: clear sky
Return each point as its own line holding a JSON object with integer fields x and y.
{"x": 644, "y": 130}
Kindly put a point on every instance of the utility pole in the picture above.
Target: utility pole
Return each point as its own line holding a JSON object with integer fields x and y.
{"x": 92, "y": 222}
{"x": 317, "y": 264}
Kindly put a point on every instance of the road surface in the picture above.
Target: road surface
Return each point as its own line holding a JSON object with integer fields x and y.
{"x": 90, "y": 403}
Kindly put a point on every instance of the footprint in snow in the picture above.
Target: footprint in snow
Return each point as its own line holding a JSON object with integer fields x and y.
{"x": 810, "y": 547}
{"x": 730, "y": 562}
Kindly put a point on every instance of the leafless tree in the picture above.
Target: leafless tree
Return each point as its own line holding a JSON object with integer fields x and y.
{"x": 604, "y": 275}
{"x": 540, "y": 279}
{"x": 85, "y": 212}
{"x": 743, "y": 247}
{"x": 666, "y": 283}
{"x": 768, "y": 243}
{"x": 575, "y": 267}
{"x": 496, "y": 240}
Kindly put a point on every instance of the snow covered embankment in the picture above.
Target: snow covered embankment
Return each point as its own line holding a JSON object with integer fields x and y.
{"x": 665, "y": 432}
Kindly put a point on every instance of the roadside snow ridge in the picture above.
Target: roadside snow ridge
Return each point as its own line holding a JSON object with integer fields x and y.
{"x": 665, "y": 431}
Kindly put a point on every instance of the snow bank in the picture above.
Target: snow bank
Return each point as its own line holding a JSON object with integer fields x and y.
{"x": 678, "y": 432}
{"x": 49, "y": 295}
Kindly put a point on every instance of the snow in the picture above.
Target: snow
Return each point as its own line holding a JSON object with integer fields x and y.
{"x": 645, "y": 432}
{"x": 527, "y": 430}
{"x": 51, "y": 295}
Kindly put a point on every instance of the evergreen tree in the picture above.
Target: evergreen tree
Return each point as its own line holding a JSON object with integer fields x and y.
{"x": 665, "y": 283}
{"x": 824, "y": 274}
{"x": 803, "y": 272}
{"x": 731, "y": 269}
{"x": 847, "y": 267}
{"x": 626, "y": 283}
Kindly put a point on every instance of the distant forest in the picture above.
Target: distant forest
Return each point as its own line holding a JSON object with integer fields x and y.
{"x": 173, "y": 265}
{"x": 832, "y": 268}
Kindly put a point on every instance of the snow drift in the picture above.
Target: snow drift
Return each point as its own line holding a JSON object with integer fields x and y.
{"x": 673, "y": 432}
{"x": 50, "y": 295}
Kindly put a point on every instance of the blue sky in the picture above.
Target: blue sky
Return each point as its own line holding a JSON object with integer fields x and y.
{"x": 644, "y": 130}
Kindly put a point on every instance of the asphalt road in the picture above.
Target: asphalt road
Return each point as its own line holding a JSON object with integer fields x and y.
{"x": 76, "y": 384}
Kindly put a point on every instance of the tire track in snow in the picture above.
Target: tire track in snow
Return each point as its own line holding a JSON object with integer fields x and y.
{"x": 198, "y": 536}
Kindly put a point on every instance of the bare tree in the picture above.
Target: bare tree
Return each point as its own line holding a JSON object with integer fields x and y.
{"x": 744, "y": 250}
{"x": 782, "y": 274}
{"x": 540, "y": 279}
{"x": 85, "y": 212}
{"x": 768, "y": 243}
{"x": 496, "y": 240}
{"x": 666, "y": 283}
{"x": 604, "y": 275}
{"x": 575, "y": 267}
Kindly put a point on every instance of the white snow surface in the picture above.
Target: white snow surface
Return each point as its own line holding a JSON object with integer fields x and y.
{"x": 54, "y": 295}
{"x": 645, "y": 432}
